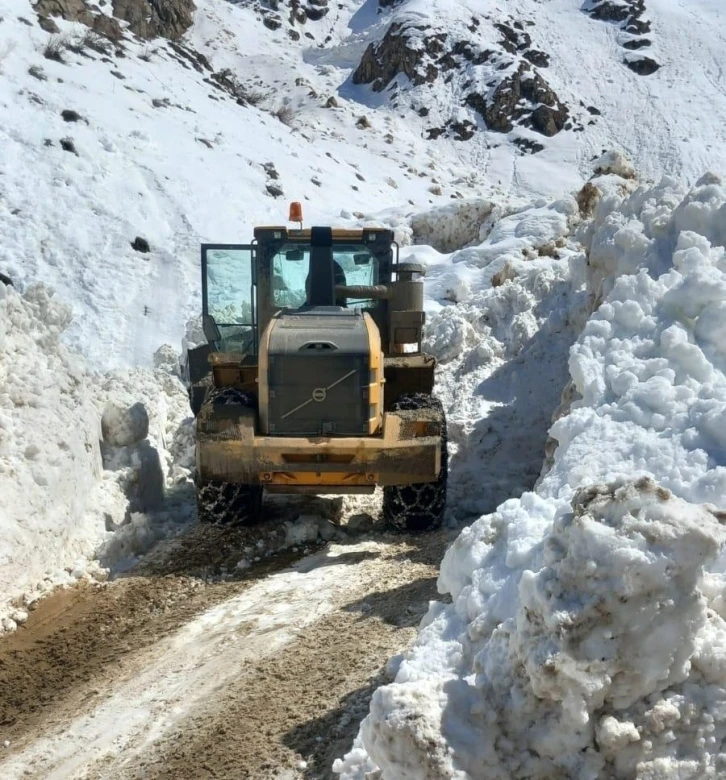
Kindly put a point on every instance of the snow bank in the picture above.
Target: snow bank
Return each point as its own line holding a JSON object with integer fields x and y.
{"x": 58, "y": 505}
{"x": 454, "y": 225}
{"x": 586, "y": 630}
{"x": 503, "y": 348}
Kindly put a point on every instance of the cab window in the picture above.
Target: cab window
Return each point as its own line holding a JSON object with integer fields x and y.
{"x": 352, "y": 265}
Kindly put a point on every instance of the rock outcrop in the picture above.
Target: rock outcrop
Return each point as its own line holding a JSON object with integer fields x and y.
{"x": 499, "y": 83}
{"x": 146, "y": 18}
{"x": 630, "y": 17}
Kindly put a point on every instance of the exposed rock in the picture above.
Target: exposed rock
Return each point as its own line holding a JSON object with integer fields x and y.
{"x": 637, "y": 43}
{"x": 331, "y": 102}
{"x": 629, "y": 16}
{"x": 316, "y": 14}
{"x": 76, "y": 11}
{"x": 37, "y": 73}
{"x": 271, "y": 171}
{"x": 156, "y": 18}
{"x": 434, "y": 132}
{"x": 607, "y": 11}
{"x": 499, "y": 83}
{"x": 272, "y": 22}
{"x": 527, "y": 145}
{"x": 67, "y": 145}
{"x": 274, "y": 190}
{"x": 644, "y": 66}
{"x": 545, "y": 113}
{"x": 536, "y": 57}
{"x": 463, "y": 131}
{"x": 122, "y": 427}
{"x": 146, "y": 18}
{"x": 48, "y": 25}
{"x": 396, "y": 54}
{"x": 6, "y": 280}
{"x": 194, "y": 58}
{"x": 141, "y": 245}
{"x": 69, "y": 115}
{"x": 513, "y": 40}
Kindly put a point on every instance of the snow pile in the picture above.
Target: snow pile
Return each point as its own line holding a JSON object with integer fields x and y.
{"x": 455, "y": 225}
{"x": 586, "y": 631}
{"x": 49, "y": 431}
{"x": 503, "y": 348}
{"x": 57, "y": 504}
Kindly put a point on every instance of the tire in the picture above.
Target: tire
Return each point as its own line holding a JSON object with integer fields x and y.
{"x": 418, "y": 508}
{"x": 228, "y": 503}
{"x": 198, "y": 394}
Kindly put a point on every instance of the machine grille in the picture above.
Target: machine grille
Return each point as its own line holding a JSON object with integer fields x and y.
{"x": 318, "y": 395}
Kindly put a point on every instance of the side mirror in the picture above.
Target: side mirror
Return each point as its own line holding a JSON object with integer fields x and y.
{"x": 362, "y": 258}
{"x": 295, "y": 255}
{"x": 211, "y": 331}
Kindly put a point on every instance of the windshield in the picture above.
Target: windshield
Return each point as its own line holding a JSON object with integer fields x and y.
{"x": 353, "y": 264}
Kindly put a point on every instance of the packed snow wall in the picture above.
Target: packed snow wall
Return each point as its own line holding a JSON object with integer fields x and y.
{"x": 70, "y": 504}
{"x": 585, "y": 634}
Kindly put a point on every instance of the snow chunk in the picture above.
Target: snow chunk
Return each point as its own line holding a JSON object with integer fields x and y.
{"x": 123, "y": 427}
{"x": 454, "y": 225}
{"x": 615, "y": 162}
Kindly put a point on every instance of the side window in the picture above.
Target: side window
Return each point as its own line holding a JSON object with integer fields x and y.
{"x": 229, "y": 295}
{"x": 290, "y": 268}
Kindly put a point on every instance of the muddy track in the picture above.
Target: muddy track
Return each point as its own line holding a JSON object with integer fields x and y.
{"x": 280, "y": 661}
{"x": 81, "y": 639}
{"x": 322, "y": 684}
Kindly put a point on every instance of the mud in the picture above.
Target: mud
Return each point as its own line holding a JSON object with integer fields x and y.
{"x": 80, "y": 639}
{"x": 286, "y": 712}
{"x": 300, "y": 709}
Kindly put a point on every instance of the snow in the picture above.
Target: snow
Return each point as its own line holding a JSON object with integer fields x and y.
{"x": 584, "y": 637}
{"x": 64, "y": 503}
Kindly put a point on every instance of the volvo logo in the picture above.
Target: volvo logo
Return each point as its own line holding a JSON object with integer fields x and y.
{"x": 319, "y": 394}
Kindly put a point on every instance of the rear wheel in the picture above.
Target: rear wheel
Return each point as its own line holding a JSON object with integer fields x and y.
{"x": 228, "y": 503}
{"x": 418, "y": 508}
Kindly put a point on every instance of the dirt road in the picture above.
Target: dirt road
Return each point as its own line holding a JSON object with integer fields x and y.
{"x": 191, "y": 668}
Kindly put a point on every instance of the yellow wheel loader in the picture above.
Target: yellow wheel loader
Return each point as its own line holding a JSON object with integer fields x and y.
{"x": 313, "y": 379}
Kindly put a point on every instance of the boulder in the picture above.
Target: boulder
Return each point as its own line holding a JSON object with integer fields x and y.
{"x": 124, "y": 426}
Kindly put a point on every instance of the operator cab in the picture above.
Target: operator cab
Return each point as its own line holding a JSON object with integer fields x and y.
{"x": 245, "y": 286}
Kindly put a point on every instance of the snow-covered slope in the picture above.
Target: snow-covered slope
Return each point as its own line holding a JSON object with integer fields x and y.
{"x": 585, "y": 634}
{"x": 179, "y": 142}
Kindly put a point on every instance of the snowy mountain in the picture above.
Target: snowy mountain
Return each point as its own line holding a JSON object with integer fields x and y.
{"x": 575, "y": 302}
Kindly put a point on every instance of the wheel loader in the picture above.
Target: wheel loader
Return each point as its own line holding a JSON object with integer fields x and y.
{"x": 313, "y": 378}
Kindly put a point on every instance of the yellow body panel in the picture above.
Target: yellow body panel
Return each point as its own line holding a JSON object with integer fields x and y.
{"x": 229, "y": 449}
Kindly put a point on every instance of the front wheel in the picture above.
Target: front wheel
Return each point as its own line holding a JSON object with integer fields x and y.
{"x": 228, "y": 503}
{"x": 418, "y": 508}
